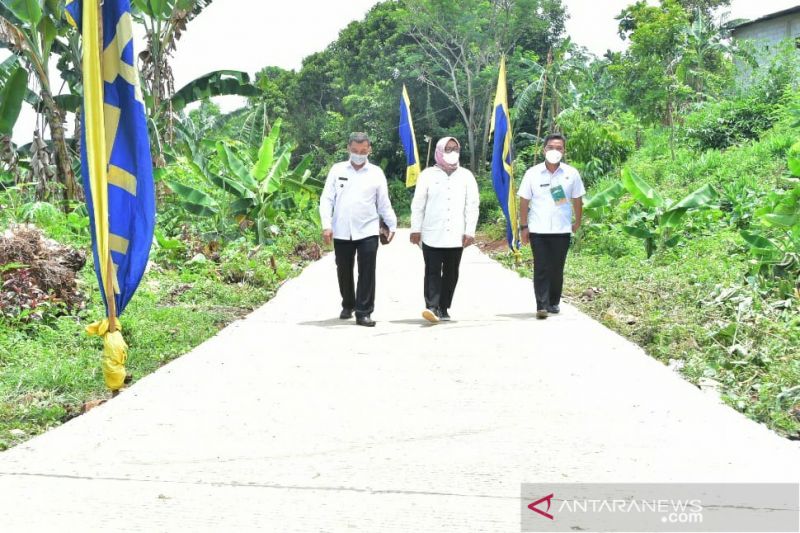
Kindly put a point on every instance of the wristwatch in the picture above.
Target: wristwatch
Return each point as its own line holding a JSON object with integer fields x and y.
{"x": 523, "y": 227}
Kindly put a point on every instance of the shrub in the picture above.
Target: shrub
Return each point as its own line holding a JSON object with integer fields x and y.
{"x": 595, "y": 148}
{"x": 727, "y": 123}
{"x": 401, "y": 197}
{"x": 490, "y": 209}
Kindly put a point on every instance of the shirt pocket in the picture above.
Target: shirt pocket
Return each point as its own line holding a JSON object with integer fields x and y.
{"x": 340, "y": 187}
{"x": 541, "y": 190}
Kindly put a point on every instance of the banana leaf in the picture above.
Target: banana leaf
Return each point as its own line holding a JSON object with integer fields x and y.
{"x": 266, "y": 154}
{"x": 641, "y": 233}
{"x": 11, "y": 96}
{"x": 242, "y": 206}
{"x": 673, "y": 217}
{"x": 640, "y": 189}
{"x": 702, "y": 197}
{"x": 193, "y": 200}
{"x": 29, "y": 11}
{"x": 277, "y": 172}
{"x": 605, "y": 197}
{"x": 217, "y": 83}
{"x": 782, "y": 220}
{"x": 236, "y": 167}
{"x": 759, "y": 244}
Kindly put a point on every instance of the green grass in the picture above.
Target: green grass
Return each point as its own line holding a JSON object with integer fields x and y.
{"x": 49, "y": 370}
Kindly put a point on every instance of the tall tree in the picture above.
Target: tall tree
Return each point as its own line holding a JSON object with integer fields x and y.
{"x": 354, "y": 84}
{"x": 647, "y": 71}
{"x": 672, "y": 56}
{"x": 705, "y": 54}
{"x": 458, "y": 51}
{"x": 706, "y": 8}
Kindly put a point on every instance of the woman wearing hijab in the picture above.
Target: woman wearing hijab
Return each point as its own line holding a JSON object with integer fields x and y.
{"x": 444, "y": 214}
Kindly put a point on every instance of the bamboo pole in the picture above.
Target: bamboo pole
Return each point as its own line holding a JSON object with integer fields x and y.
{"x": 110, "y": 300}
{"x": 110, "y": 273}
{"x": 428, "y": 159}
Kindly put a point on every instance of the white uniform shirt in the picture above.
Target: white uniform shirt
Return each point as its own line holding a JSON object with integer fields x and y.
{"x": 353, "y": 201}
{"x": 445, "y": 208}
{"x": 544, "y": 216}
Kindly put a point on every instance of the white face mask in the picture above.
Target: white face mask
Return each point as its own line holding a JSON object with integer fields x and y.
{"x": 358, "y": 159}
{"x": 451, "y": 158}
{"x": 553, "y": 157}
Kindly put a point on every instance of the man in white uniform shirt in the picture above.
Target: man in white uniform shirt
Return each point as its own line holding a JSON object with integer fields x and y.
{"x": 354, "y": 201}
{"x": 444, "y": 214}
{"x": 550, "y": 194}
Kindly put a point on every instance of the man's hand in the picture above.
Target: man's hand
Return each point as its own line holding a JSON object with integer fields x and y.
{"x": 575, "y": 227}
{"x": 524, "y": 236}
{"x": 390, "y": 237}
{"x": 415, "y": 238}
{"x": 467, "y": 240}
{"x": 327, "y": 236}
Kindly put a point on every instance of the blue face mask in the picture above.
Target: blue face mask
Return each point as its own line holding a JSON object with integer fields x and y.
{"x": 358, "y": 159}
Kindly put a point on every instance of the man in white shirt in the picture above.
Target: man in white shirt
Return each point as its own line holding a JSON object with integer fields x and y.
{"x": 444, "y": 214}
{"x": 550, "y": 194}
{"x": 354, "y": 201}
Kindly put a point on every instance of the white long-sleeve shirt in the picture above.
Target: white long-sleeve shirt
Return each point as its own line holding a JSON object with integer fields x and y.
{"x": 353, "y": 202}
{"x": 445, "y": 208}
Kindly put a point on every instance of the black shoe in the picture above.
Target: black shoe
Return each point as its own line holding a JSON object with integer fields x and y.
{"x": 444, "y": 315}
{"x": 346, "y": 314}
{"x": 541, "y": 314}
{"x": 553, "y": 309}
{"x": 365, "y": 321}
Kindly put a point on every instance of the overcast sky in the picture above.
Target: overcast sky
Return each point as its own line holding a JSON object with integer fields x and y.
{"x": 250, "y": 34}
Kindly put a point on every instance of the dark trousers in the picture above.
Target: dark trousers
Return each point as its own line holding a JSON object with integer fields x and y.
{"x": 361, "y": 298}
{"x": 549, "y": 258}
{"x": 441, "y": 275}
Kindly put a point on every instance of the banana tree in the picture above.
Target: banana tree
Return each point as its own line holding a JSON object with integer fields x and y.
{"x": 262, "y": 192}
{"x": 28, "y": 28}
{"x": 269, "y": 189}
{"x": 190, "y": 149}
{"x": 654, "y": 219}
{"x": 704, "y": 44}
{"x": 775, "y": 242}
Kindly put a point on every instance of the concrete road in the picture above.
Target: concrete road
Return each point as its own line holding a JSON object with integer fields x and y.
{"x": 293, "y": 420}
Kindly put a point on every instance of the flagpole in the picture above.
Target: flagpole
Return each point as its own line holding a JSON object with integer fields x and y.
{"x": 110, "y": 274}
{"x": 428, "y": 159}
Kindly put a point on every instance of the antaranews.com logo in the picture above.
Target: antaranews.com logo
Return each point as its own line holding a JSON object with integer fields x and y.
{"x": 713, "y": 507}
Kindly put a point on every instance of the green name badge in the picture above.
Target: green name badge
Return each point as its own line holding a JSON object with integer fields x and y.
{"x": 558, "y": 195}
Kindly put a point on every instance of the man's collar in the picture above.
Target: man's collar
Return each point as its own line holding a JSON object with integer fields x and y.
{"x": 545, "y": 169}
{"x": 364, "y": 167}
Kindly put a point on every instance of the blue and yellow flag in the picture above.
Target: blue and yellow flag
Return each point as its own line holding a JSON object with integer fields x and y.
{"x": 502, "y": 158}
{"x": 409, "y": 141}
{"x": 116, "y": 166}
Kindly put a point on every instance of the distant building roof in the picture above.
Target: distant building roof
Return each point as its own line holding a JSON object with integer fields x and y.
{"x": 790, "y": 11}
